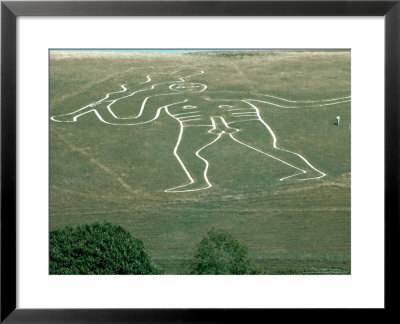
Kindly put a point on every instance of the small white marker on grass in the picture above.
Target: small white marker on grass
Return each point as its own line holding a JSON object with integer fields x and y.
{"x": 337, "y": 123}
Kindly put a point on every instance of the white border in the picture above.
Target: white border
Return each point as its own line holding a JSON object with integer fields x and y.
{"x": 364, "y": 288}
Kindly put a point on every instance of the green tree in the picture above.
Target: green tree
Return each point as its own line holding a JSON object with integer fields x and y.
{"x": 98, "y": 249}
{"x": 219, "y": 253}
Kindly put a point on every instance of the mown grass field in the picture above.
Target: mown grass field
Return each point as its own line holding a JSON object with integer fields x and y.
{"x": 101, "y": 172}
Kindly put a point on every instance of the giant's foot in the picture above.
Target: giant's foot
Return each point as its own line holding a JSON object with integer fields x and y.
{"x": 305, "y": 175}
{"x": 194, "y": 186}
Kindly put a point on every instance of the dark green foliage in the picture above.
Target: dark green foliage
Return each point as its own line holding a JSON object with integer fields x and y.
{"x": 219, "y": 253}
{"x": 98, "y": 249}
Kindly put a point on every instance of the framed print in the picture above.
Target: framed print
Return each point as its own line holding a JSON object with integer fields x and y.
{"x": 181, "y": 160}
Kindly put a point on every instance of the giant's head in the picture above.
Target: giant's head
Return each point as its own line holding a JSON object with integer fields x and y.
{"x": 188, "y": 87}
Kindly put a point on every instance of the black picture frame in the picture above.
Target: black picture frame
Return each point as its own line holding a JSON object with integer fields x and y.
{"x": 10, "y": 10}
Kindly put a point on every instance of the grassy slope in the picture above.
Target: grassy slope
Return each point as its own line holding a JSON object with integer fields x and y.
{"x": 288, "y": 223}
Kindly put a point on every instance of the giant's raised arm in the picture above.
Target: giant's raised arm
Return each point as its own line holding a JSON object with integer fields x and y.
{"x": 293, "y": 104}
{"x": 149, "y": 110}
{"x": 74, "y": 115}
{"x": 107, "y": 100}
{"x": 138, "y": 107}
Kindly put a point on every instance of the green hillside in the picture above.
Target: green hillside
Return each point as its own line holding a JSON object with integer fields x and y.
{"x": 101, "y": 172}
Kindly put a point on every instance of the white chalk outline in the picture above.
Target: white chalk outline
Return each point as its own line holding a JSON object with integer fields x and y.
{"x": 186, "y": 120}
{"x": 124, "y": 89}
{"x": 186, "y": 113}
{"x": 182, "y": 79}
{"x": 191, "y": 116}
{"x": 197, "y": 153}
{"x": 338, "y": 101}
{"x": 305, "y": 101}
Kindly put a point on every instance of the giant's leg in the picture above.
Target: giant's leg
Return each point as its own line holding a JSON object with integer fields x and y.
{"x": 257, "y": 135}
{"x": 191, "y": 142}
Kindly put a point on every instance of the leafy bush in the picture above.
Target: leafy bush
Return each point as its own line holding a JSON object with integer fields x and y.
{"x": 98, "y": 249}
{"x": 219, "y": 253}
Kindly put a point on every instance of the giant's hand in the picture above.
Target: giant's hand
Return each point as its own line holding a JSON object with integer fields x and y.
{"x": 172, "y": 76}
